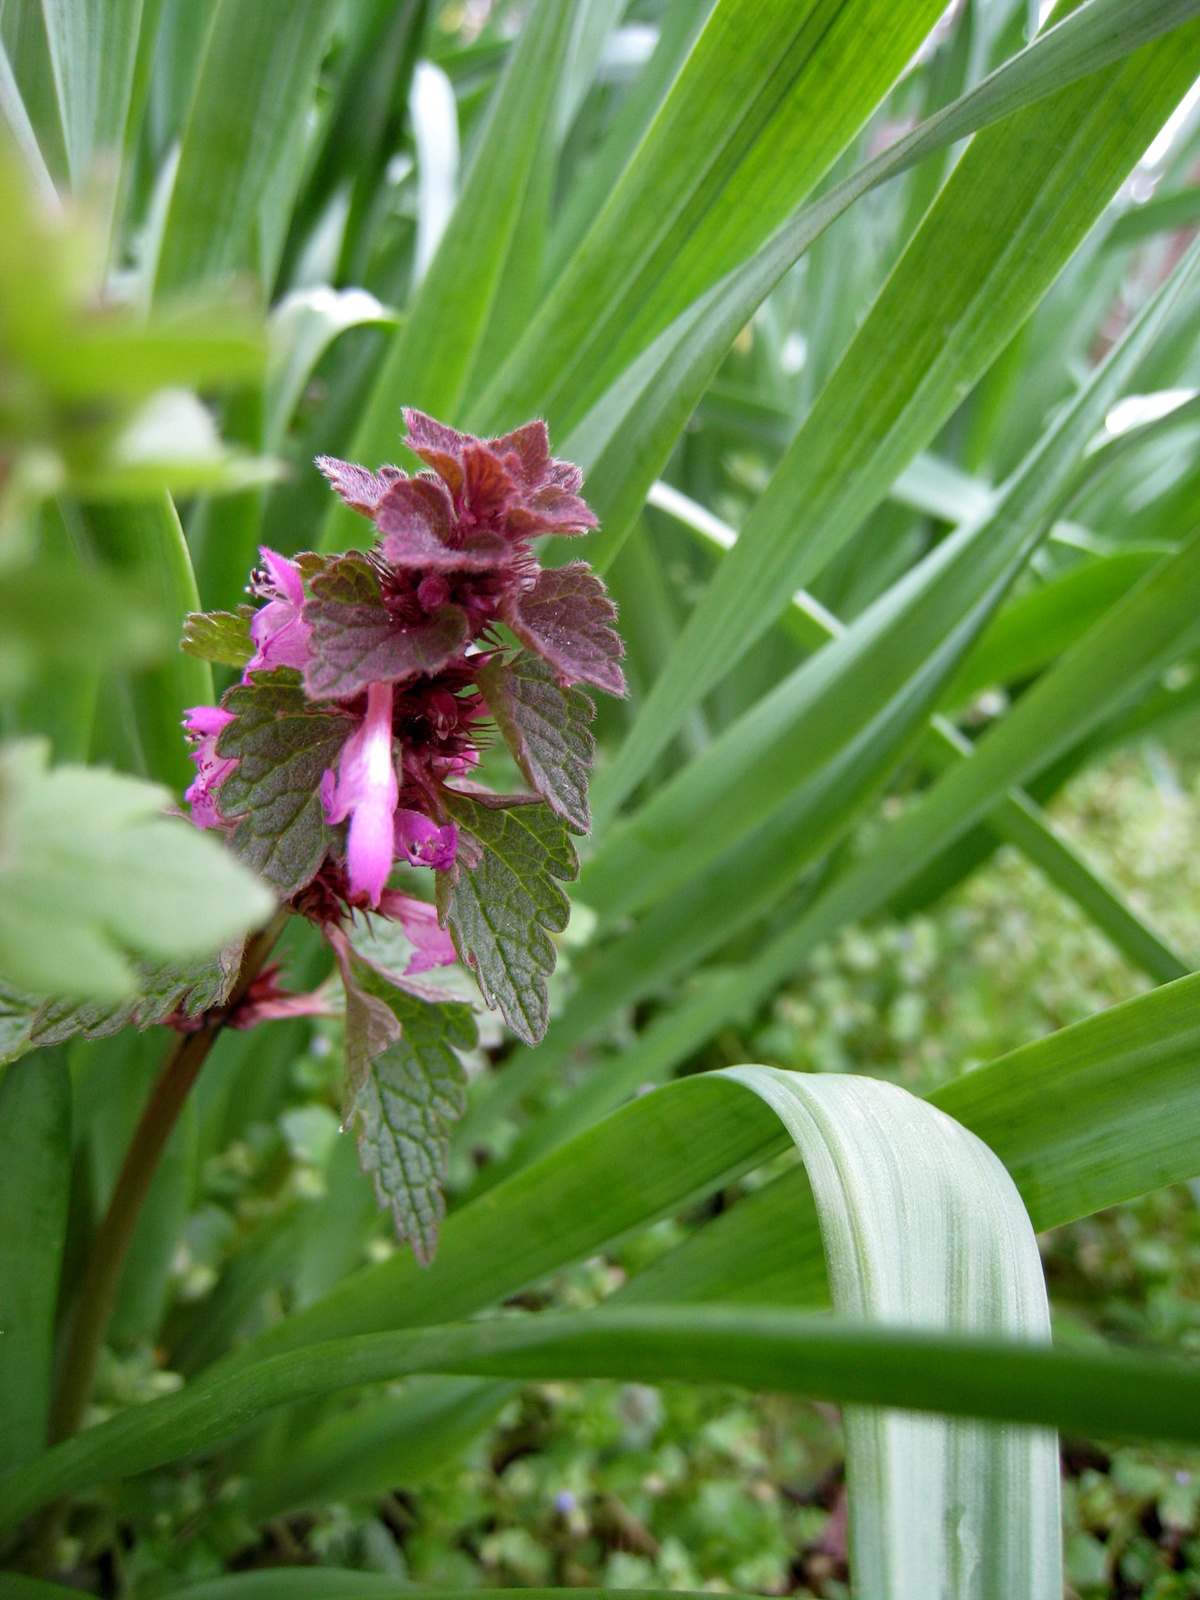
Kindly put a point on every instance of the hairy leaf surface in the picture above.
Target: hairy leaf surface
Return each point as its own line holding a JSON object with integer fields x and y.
{"x": 546, "y": 730}
{"x": 284, "y": 748}
{"x": 222, "y": 637}
{"x": 503, "y": 911}
{"x": 403, "y": 1106}
{"x": 567, "y": 618}
{"x": 355, "y": 640}
{"x": 166, "y": 990}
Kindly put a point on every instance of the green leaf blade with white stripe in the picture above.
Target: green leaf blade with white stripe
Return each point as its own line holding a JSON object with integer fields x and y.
{"x": 923, "y": 1227}
{"x": 923, "y": 1230}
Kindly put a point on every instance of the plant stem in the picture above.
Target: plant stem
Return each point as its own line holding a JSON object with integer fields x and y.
{"x": 98, "y": 1291}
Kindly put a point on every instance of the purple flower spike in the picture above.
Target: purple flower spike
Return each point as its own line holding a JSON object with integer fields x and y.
{"x": 204, "y": 723}
{"x": 432, "y": 945}
{"x": 366, "y": 791}
{"x": 279, "y": 630}
{"x": 425, "y": 844}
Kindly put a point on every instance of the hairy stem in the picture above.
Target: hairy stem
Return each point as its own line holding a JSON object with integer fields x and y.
{"x": 98, "y": 1291}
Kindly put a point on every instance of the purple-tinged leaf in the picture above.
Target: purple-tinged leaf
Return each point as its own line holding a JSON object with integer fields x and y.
{"x": 360, "y": 489}
{"x": 417, "y": 524}
{"x": 546, "y": 730}
{"x": 512, "y": 482}
{"x": 526, "y": 454}
{"x": 283, "y": 746}
{"x": 356, "y": 642}
{"x": 551, "y": 510}
{"x": 438, "y": 446}
{"x": 503, "y": 910}
{"x": 222, "y": 637}
{"x": 567, "y": 619}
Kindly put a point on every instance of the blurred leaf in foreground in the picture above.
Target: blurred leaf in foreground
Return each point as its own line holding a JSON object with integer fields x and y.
{"x": 91, "y": 869}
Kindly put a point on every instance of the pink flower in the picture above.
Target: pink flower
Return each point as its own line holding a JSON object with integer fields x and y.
{"x": 433, "y": 946}
{"x": 204, "y": 724}
{"x": 278, "y": 629}
{"x": 423, "y": 843}
{"x": 367, "y": 792}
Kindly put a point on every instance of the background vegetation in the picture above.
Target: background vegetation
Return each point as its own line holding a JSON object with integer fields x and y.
{"x": 882, "y": 367}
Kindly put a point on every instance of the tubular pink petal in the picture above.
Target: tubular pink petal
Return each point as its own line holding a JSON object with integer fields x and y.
{"x": 285, "y": 575}
{"x": 423, "y": 842}
{"x": 202, "y": 721}
{"x": 366, "y": 791}
{"x": 279, "y": 629}
{"x": 204, "y": 724}
{"x": 432, "y": 945}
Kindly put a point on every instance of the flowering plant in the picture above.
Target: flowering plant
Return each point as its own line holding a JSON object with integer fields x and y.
{"x": 371, "y": 682}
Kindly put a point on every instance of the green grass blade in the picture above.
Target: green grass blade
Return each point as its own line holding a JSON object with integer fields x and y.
{"x": 1099, "y": 1394}
{"x": 12, "y": 108}
{"x": 764, "y": 103}
{"x": 431, "y": 359}
{"x": 367, "y": 98}
{"x": 1059, "y": 1112}
{"x": 251, "y": 93}
{"x": 35, "y": 1179}
{"x": 627, "y": 438}
{"x": 967, "y": 281}
{"x": 1031, "y": 632}
{"x": 146, "y": 542}
{"x": 701, "y": 1135}
{"x": 94, "y": 50}
{"x": 360, "y": 1454}
{"x": 1163, "y": 214}
{"x": 679, "y": 29}
{"x": 278, "y": 1583}
{"x": 1126, "y": 651}
{"x": 1021, "y": 639}
{"x": 858, "y": 700}
{"x": 23, "y": 32}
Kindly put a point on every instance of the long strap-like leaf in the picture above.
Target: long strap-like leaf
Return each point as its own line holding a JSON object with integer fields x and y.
{"x": 745, "y": 882}
{"x": 93, "y": 50}
{"x": 1025, "y": 637}
{"x": 764, "y": 103}
{"x": 247, "y": 110}
{"x": 923, "y": 1229}
{"x": 35, "y": 1176}
{"x": 431, "y": 357}
{"x": 1092, "y": 1395}
{"x": 944, "y": 314}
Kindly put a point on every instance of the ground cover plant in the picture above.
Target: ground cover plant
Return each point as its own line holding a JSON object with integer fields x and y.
{"x": 361, "y": 365}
